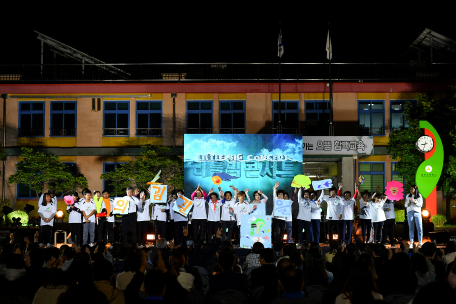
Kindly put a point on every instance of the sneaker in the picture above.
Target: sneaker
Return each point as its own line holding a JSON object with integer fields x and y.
{"x": 91, "y": 245}
{"x": 420, "y": 244}
{"x": 411, "y": 245}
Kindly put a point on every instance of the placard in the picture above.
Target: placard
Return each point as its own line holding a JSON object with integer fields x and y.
{"x": 158, "y": 194}
{"x": 255, "y": 229}
{"x": 322, "y": 184}
{"x": 395, "y": 191}
{"x": 260, "y": 209}
{"x": 282, "y": 207}
{"x": 121, "y": 205}
{"x": 183, "y": 205}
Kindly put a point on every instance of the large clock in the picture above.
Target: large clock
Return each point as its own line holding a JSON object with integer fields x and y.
{"x": 424, "y": 144}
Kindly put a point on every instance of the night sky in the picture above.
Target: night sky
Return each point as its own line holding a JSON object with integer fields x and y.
{"x": 130, "y": 33}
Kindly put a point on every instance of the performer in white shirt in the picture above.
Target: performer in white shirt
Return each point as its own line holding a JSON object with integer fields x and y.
{"x": 333, "y": 213}
{"x": 180, "y": 221}
{"x": 47, "y": 212}
{"x": 159, "y": 215}
{"x": 129, "y": 221}
{"x": 304, "y": 215}
{"x": 348, "y": 209}
{"x": 240, "y": 208}
{"x": 75, "y": 220}
{"x": 228, "y": 218}
{"x": 199, "y": 215}
{"x": 88, "y": 212}
{"x": 413, "y": 204}
{"x": 53, "y": 197}
{"x": 143, "y": 218}
{"x": 316, "y": 216}
{"x": 213, "y": 215}
{"x": 279, "y": 221}
{"x": 377, "y": 215}
{"x": 364, "y": 216}
{"x": 388, "y": 227}
{"x": 108, "y": 204}
{"x": 258, "y": 198}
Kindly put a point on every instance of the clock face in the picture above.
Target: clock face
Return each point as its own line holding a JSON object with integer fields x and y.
{"x": 424, "y": 144}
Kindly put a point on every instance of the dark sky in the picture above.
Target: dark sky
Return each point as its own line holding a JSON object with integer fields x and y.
{"x": 130, "y": 33}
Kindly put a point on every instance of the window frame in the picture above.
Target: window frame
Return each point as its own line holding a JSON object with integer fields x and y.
{"x": 211, "y": 111}
{"x": 373, "y": 173}
{"x": 402, "y": 101}
{"x": 149, "y": 112}
{"x": 63, "y": 112}
{"x": 116, "y": 112}
{"x": 231, "y": 112}
{"x": 370, "y": 113}
{"x": 31, "y": 112}
{"x": 286, "y": 111}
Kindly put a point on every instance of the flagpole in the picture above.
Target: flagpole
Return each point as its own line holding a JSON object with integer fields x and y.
{"x": 331, "y": 131}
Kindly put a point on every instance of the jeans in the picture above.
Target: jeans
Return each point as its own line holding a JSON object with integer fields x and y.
{"x": 46, "y": 234}
{"x": 75, "y": 230}
{"x": 212, "y": 228}
{"x": 279, "y": 226}
{"x": 347, "y": 224}
{"x": 308, "y": 230}
{"x": 289, "y": 230}
{"x": 388, "y": 230}
{"x": 377, "y": 231}
{"x": 88, "y": 228}
{"x": 201, "y": 224}
{"x": 333, "y": 223}
{"x": 101, "y": 229}
{"x": 142, "y": 232}
{"x": 229, "y": 225}
{"x": 315, "y": 228}
{"x": 129, "y": 222}
{"x": 366, "y": 225}
{"x": 415, "y": 217}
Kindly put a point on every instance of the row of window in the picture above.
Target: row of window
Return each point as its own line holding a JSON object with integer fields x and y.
{"x": 232, "y": 117}
{"x": 374, "y": 176}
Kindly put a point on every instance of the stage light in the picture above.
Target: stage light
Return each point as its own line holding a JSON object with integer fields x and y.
{"x": 426, "y": 214}
{"x": 59, "y": 215}
{"x": 150, "y": 237}
{"x": 285, "y": 237}
{"x": 335, "y": 237}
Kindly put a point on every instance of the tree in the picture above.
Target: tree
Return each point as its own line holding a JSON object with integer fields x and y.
{"x": 441, "y": 114}
{"x": 143, "y": 169}
{"x": 38, "y": 169}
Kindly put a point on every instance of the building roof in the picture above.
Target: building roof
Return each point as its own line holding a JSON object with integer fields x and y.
{"x": 443, "y": 48}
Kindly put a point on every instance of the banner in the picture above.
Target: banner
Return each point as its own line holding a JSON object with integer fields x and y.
{"x": 158, "y": 194}
{"x": 254, "y": 161}
{"x": 260, "y": 209}
{"x": 183, "y": 205}
{"x": 121, "y": 205}
{"x": 255, "y": 229}
{"x": 337, "y": 145}
{"x": 282, "y": 207}
{"x": 322, "y": 184}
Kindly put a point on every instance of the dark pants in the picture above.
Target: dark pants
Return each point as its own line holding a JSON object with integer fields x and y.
{"x": 315, "y": 227}
{"x": 75, "y": 230}
{"x": 110, "y": 228}
{"x": 237, "y": 234}
{"x": 307, "y": 228}
{"x": 388, "y": 231}
{"x": 129, "y": 223}
{"x": 178, "y": 231}
{"x": 212, "y": 228}
{"x": 169, "y": 230}
{"x": 142, "y": 232}
{"x": 347, "y": 225}
{"x": 46, "y": 234}
{"x": 201, "y": 225}
{"x": 101, "y": 229}
{"x": 229, "y": 225}
{"x": 159, "y": 229}
{"x": 366, "y": 225}
{"x": 332, "y": 224}
{"x": 378, "y": 231}
{"x": 279, "y": 230}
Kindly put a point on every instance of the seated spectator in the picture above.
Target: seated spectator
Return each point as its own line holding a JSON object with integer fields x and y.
{"x": 287, "y": 251}
{"x": 200, "y": 254}
{"x": 55, "y": 285}
{"x": 35, "y": 272}
{"x": 102, "y": 272}
{"x": 399, "y": 277}
{"x": 227, "y": 279}
{"x": 283, "y": 265}
{"x": 342, "y": 265}
{"x": 130, "y": 266}
{"x": 450, "y": 253}
{"x": 429, "y": 250}
{"x": 267, "y": 273}
{"x": 253, "y": 258}
{"x": 291, "y": 286}
{"x": 177, "y": 263}
{"x": 420, "y": 266}
{"x": 67, "y": 257}
{"x": 436, "y": 292}
{"x": 452, "y": 277}
{"x": 166, "y": 253}
{"x": 360, "y": 286}
{"x": 333, "y": 247}
{"x": 314, "y": 270}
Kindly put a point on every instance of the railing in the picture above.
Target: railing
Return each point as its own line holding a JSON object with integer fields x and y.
{"x": 30, "y": 132}
{"x": 200, "y": 130}
{"x": 227, "y": 72}
{"x": 149, "y": 132}
{"x": 62, "y": 132}
{"x": 116, "y": 132}
{"x": 232, "y": 130}
{"x": 287, "y": 131}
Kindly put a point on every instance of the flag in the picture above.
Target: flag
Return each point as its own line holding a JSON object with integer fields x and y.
{"x": 280, "y": 45}
{"x": 329, "y": 50}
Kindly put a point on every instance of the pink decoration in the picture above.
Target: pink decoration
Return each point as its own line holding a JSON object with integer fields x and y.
{"x": 68, "y": 200}
{"x": 395, "y": 191}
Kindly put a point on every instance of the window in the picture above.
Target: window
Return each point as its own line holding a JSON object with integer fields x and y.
{"x": 317, "y": 117}
{"x": 289, "y": 113}
{"x": 374, "y": 175}
{"x": 199, "y": 117}
{"x": 397, "y": 114}
{"x": 148, "y": 118}
{"x": 110, "y": 167}
{"x": 116, "y": 118}
{"x": 31, "y": 118}
{"x": 232, "y": 116}
{"x": 371, "y": 117}
{"x": 63, "y": 118}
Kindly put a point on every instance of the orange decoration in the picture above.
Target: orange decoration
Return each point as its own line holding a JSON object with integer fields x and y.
{"x": 216, "y": 180}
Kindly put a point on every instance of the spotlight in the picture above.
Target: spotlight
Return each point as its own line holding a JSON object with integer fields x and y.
{"x": 59, "y": 216}
{"x": 426, "y": 214}
{"x": 285, "y": 237}
{"x": 335, "y": 237}
{"x": 150, "y": 237}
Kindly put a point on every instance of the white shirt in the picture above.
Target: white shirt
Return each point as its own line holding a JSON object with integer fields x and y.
{"x": 88, "y": 207}
{"x": 334, "y": 206}
{"x": 157, "y": 214}
{"x": 143, "y": 211}
{"x": 256, "y": 203}
{"x": 47, "y": 211}
{"x": 213, "y": 215}
{"x": 305, "y": 208}
{"x": 199, "y": 209}
{"x": 134, "y": 202}
{"x": 171, "y": 205}
{"x": 365, "y": 210}
{"x": 315, "y": 210}
{"x": 53, "y": 200}
{"x": 74, "y": 217}
{"x": 123, "y": 279}
{"x": 240, "y": 209}
{"x": 227, "y": 215}
{"x": 376, "y": 211}
{"x": 185, "y": 279}
{"x": 112, "y": 217}
{"x": 416, "y": 207}
{"x": 274, "y": 198}
{"x": 348, "y": 208}
{"x": 389, "y": 214}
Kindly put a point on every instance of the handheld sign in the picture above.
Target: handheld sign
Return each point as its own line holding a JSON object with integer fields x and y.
{"x": 68, "y": 200}
{"x": 255, "y": 229}
{"x": 395, "y": 191}
{"x": 301, "y": 181}
{"x": 183, "y": 205}
{"x": 282, "y": 208}
{"x": 121, "y": 205}
{"x": 260, "y": 209}
{"x": 322, "y": 184}
{"x": 158, "y": 194}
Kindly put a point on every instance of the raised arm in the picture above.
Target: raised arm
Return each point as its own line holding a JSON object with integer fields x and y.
{"x": 300, "y": 200}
